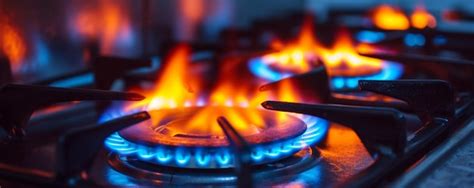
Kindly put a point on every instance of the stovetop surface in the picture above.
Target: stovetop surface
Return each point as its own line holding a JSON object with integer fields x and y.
{"x": 339, "y": 157}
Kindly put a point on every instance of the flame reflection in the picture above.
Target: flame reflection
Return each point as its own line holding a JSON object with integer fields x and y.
{"x": 346, "y": 151}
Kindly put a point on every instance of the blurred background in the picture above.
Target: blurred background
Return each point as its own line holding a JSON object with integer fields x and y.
{"x": 44, "y": 39}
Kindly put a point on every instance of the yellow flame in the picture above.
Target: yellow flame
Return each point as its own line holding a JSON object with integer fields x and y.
{"x": 390, "y": 18}
{"x": 343, "y": 59}
{"x": 340, "y": 59}
{"x": 173, "y": 87}
{"x": 421, "y": 18}
{"x": 294, "y": 56}
{"x": 238, "y": 102}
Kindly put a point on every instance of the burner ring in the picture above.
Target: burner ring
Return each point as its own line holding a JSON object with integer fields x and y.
{"x": 389, "y": 71}
{"x": 303, "y": 160}
{"x": 218, "y": 156}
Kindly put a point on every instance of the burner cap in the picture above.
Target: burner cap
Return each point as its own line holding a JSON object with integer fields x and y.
{"x": 179, "y": 128}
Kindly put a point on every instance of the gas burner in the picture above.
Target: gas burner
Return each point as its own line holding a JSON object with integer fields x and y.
{"x": 341, "y": 78}
{"x": 302, "y": 160}
{"x": 173, "y": 137}
{"x": 388, "y": 71}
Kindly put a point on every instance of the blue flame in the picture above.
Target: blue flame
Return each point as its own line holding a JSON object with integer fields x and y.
{"x": 221, "y": 157}
{"x": 116, "y": 111}
{"x": 389, "y": 71}
{"x": 440, "y": 40}
{"x": 370, "y": 36}
{"x": 258, "y": 67}
{"x": 75, "y": 81}
{"x": 119, "y": 179}
{"x": 414, "y": 40}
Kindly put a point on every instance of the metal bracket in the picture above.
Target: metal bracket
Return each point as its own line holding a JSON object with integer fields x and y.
{"x": 427, "y": 98}
{"x": 17, "y": 102}
{"x": 313, "y": 86}
{"x": 241, "y": 153}
{"x": 5, "y": 71}
{"x": 73, "y": 158}
{"x": 382, "y": 130}
{"x": 108, "y": 69}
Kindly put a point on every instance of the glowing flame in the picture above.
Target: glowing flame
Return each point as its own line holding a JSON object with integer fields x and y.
{"x": 108, "y": 22}
{"x": 341, "y": 59}
{"x": 190, "y": 14}
{"x": 294, "y": 56}
{"x": 390, "y": 18}
{"x": 86, "y": 23}
{"x": 12, "y": 44}
{"x": 238, "y": 102}
{"x": 421, "y": 18}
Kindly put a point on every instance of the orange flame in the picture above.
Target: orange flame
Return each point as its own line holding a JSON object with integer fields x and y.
{"x": 108, "y": 23}
{"x": 294, "y": 56}
{"x": 86, "y": 23}
{"x": 390, "y": 18}
{"x": 421, "y": 18}
{"x": 341, "y": 59}
{"x": 190, "y": 13}
{"x": 12, "y": 44}
{"x": 238, "y": 102}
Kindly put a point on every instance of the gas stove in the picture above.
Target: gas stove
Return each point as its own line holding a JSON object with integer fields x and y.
{"x": 353, "y": 101}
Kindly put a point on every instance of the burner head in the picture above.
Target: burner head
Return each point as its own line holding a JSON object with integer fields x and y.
{"x": 180, "y": 129}
{"x": 179, "y": 140}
